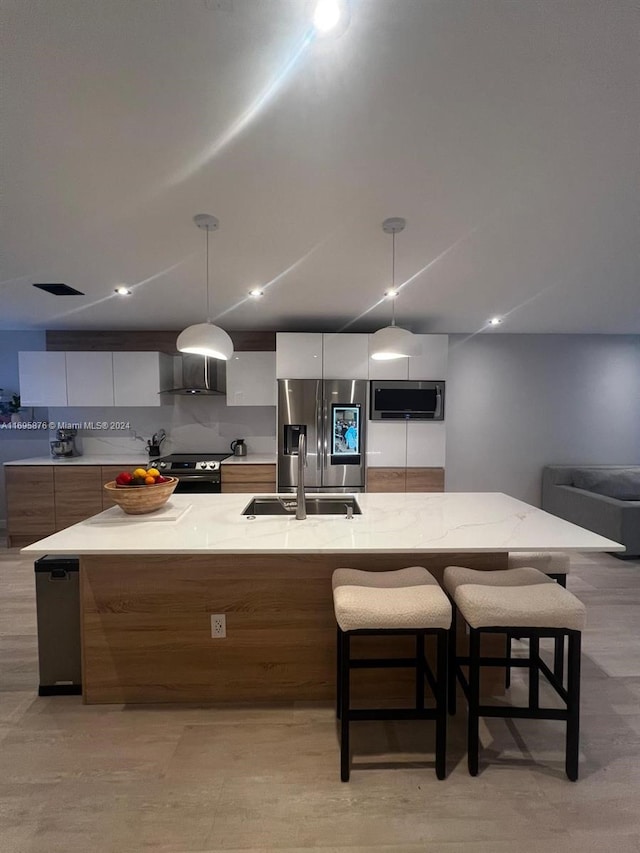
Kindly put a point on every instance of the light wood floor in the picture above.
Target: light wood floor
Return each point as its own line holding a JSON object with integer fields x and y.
{"x": 176, "y": 779}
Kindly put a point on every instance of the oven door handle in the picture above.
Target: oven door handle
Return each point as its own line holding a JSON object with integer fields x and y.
{"x": 192, "y": 477}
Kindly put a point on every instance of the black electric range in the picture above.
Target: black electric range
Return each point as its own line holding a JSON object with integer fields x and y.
{"x": 196, "y": 472}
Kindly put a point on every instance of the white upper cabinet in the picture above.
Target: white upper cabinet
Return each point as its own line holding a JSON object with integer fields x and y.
{"x": 139, "y": 377}
{"x": 89, "y": 379}
{"x": 431, "y": 363}
{"x": 251, "y": 379}
{"x": 345, "y": 356}
{"x": 94, "y": 378}
{"x": 426, "y": 444}
{"x": 43, "y": 378}
{"x": 299, "y": 355}
{"x": 397, "y": 368}
{"x": 386, "y": 444}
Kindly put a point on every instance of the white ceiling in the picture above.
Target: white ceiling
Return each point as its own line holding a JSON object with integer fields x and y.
{"x": 505, "y": 132}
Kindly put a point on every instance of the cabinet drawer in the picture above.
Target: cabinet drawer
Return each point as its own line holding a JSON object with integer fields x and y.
{"x": 78, "y": 494}
{"x": 386, "y": 479}
{"x": 30, "y": 503}
{"x": 262, "y": 488}
{"x": 425, "y": 479}
{"x": 237, "y": 474}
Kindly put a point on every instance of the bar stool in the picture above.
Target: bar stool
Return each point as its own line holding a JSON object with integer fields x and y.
{"x": 455, "y": 576}
{"x": 554, "y": 564}
{"x": 535, "y": 611}
{"x": 404, "y": 601}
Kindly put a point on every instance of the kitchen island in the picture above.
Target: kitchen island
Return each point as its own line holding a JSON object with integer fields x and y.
{"x": 149, "y": 588}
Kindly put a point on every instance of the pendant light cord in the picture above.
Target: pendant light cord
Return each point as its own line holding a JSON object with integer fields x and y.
{"x": 393, "y": 279}
{"x": 208, "y": 304}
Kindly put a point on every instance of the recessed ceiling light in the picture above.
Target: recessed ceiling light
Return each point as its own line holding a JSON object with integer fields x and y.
{"x": 390, "y": 294}
{"x": 326, "y": 15}
{"x": 122, "y": 290}
{"x": 256, "y": 293}
{"x": 331, "y": 16}
{"x": 495, "y": 321}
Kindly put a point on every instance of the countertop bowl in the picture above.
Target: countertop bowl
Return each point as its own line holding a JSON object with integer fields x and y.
{"x": 139, "y": 500}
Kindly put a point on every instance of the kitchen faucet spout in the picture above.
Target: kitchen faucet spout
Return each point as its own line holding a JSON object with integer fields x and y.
{"x": 301, "y": 509}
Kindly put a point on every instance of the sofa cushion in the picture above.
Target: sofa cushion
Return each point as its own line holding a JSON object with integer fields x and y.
{"x": 623, "y": 483}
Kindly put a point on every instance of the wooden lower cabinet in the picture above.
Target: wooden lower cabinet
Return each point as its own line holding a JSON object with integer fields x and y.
{"x": 387, "y": 480}
{"x": 30, "y": 503}
{"x": 42, "y": 499}
{"x": 78, "y": 494}
{"x": 425, "y": 480}
{"x": 248, "y": 478}
{"x": 405, "y": 479}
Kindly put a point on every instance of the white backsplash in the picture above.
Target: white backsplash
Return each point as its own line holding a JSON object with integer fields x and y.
{"x": 191, "y": 423}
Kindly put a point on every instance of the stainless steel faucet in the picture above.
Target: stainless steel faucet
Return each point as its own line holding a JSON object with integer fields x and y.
{"x": 301, "y": 509}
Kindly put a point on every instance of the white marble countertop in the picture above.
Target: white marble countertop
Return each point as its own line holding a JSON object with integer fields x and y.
{"x": 394, "y": 523}
{"x": 102, "y": 459}
{"x": 252, "y": 459}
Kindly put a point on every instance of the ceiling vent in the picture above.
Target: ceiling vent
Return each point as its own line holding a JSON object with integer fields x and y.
{"x": 60, "y": 289}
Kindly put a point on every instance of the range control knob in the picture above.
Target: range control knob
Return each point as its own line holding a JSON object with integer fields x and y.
{"x": 162, "y": 464}
{"x": 202, "y": 464}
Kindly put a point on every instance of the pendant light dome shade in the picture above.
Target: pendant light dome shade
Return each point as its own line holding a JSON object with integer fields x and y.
{"x": 392, "y": 342}
{"x": 205, "y": 338}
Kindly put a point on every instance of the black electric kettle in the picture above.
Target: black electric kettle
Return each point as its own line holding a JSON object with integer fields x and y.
{"x": 238, "y": 447}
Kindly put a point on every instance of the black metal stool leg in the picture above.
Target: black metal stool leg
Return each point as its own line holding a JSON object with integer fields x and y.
{"x": 507, "y": 671}
{"x": 534, "y": 672}
{"x": 558, "y": 658}
{"x": 338, "y": 671}
{"x": 452, "y": 673}
{"x": 345, "y": 753}
{"x": 420, "y": 652}
{"x": 573, "y": 706}
{"x": 442, "y": 641}
{"x": 473, "y": 738}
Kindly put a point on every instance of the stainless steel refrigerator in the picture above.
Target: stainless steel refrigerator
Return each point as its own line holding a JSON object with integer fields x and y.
{"x": 331, "y": 413}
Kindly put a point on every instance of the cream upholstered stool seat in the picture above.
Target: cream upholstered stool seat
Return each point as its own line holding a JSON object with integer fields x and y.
{"x": 533, "y": 611}
{"x": 455, "y": 576}
{"x": 404, "y": 601}
{"x": 556, "y": 564}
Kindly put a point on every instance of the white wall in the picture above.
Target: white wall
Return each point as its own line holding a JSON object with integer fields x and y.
{"x": 516, "y": 403}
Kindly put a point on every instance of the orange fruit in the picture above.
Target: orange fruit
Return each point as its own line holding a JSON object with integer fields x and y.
{"x": 150, "y": 481}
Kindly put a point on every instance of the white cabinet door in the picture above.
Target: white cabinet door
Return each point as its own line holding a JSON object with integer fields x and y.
{"x": 43, "y": 378}
{"x": 89, "y": 379}
{"x": 299, "y": 355}
{"x": 397, "y": 368}
{"x": 431, "y": 363}
{"x": 386, "y": 444}
{"x": 345, "y": 356}
{"x": 426, "y": 442}
{"x": 139, "y": 377}
{"x": 251, "y": 379}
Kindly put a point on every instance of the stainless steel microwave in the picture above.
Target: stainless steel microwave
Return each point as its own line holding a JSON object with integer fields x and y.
{"x": 406, "y": 400}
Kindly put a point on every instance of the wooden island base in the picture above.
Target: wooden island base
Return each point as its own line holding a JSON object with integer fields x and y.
{"x": 146, "y": 627}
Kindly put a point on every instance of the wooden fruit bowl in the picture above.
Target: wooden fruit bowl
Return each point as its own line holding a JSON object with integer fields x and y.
{"x": 139, "y": 500}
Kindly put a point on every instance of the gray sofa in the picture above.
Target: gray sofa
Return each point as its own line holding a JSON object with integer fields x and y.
{"x": 602, "y": 498}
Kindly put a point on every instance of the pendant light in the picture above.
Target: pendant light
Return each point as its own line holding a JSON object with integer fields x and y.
{"x": 392, "y": 341}
{"x": 205, "y": 338}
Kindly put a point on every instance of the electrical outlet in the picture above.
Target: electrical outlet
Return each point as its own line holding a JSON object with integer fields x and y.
{"x": 218, "y": 626}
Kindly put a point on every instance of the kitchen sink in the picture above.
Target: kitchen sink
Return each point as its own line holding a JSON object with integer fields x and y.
{"x": 286, "y": 505}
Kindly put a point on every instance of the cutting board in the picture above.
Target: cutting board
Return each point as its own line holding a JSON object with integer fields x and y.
{"x": 116, "y": 515}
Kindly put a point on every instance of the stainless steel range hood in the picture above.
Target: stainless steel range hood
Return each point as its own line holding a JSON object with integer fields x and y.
{"x": 197, "y": 374}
